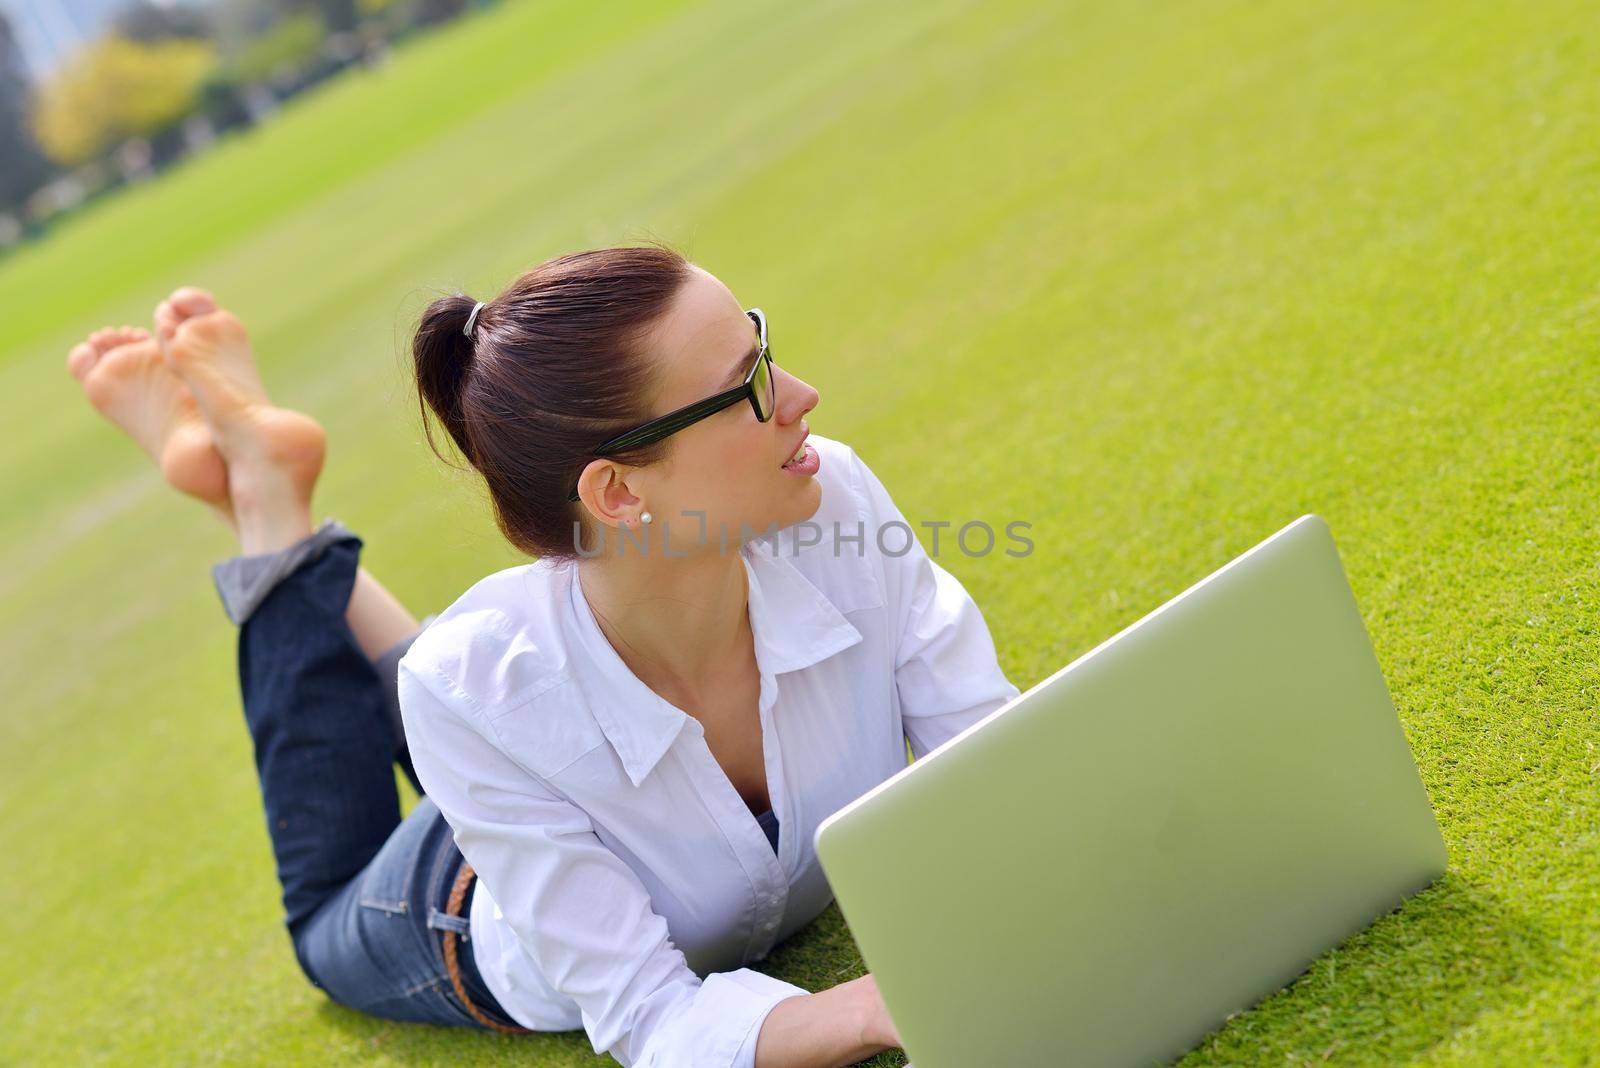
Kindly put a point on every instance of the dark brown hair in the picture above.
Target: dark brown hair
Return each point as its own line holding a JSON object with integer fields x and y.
{"x": 554, "y": 366}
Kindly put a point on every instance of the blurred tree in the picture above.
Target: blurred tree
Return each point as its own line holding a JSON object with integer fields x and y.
{"x": 115, "y": 89}
{"x": 148, "y": 21}
{"x": 25, "y": 167}
{"x": 238, "y": 21}
{"x": 339, "y": 15}
{"x": 289, "y": 45}
{"x": 426, "y": 12}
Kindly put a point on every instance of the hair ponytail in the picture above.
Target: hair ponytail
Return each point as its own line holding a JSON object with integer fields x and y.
{"x": 443, "y": 354}
{"x": 556, "y": 364}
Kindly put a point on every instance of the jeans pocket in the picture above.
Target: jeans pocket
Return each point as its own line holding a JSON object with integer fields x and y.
{"x": 369, "y": 946}
{"x": 384, "y": 891}
{"x": 390, "y": 881}
{"x": 392, "y": 906}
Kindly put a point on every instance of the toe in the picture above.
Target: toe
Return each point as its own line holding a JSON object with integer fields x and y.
{"x": 193, "y": 300}
{"x": 211, "y": 331}
{"x": 182, "y": 304}
{"x": 123, "y": 335}
{"x": 81, "y": 359}
{"x": 166, "y": 320}
{"x": 103, "y": 341}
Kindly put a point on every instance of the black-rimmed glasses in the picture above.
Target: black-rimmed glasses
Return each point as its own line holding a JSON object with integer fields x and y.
{"x": 759, "y": 387}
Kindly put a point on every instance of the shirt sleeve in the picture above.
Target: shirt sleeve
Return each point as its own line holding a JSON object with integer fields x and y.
{"x": 945, "y": 669}
{"x": 579, "y": 911}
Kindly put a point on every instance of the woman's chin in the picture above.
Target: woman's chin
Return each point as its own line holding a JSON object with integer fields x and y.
{"x": 807, "y": 502}
{"x": 779, "y": 519}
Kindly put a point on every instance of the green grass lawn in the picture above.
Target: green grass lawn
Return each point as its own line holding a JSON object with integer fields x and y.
{"x": 1155, "y": 278}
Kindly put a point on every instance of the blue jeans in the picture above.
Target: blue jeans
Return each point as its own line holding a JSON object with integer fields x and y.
{"x": 364, "y": 891}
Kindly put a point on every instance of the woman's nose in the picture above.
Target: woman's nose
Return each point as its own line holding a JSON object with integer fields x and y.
{"x": 796, "y": 397}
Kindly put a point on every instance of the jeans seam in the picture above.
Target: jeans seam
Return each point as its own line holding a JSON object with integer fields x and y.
{"x": 427, "y": 985}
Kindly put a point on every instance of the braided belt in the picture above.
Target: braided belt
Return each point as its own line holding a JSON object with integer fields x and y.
{"x": 458, "y": 894}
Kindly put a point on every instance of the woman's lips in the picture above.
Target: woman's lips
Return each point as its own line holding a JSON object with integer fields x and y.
{"x": 807, "y": 465}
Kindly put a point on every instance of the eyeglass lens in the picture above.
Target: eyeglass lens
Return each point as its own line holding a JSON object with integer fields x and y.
{"x": 765, "y": 388}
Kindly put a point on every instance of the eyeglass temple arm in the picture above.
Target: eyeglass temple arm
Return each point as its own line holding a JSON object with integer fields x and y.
{"x": 673, "y": 422}
{"x": 668, "y": 424}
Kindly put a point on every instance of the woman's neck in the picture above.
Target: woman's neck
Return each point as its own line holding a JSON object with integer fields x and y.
{"x": 679, "y": 624}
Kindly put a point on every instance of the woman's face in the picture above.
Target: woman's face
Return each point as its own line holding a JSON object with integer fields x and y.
{"x": 729, "y": 466}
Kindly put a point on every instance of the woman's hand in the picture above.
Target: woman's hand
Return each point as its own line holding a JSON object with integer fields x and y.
{"x": 845, "y": 1024}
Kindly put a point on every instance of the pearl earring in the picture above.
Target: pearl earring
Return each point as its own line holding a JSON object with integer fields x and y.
{"x": 644, "y": 518}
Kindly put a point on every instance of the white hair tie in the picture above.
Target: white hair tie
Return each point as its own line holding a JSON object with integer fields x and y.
{"x": 467, "y": 330}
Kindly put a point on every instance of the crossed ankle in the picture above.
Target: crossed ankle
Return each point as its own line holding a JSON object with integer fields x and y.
{"x": 272, "y": 529}
{"x": 244, "y": 581}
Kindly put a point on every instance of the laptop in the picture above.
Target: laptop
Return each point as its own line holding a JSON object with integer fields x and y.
{"x": 1157, "y": 836}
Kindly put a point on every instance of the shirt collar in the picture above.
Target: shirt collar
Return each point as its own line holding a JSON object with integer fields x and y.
{"x": 794, "y": 624}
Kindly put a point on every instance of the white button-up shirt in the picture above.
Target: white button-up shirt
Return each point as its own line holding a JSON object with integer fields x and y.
{"x": 623, "y": 883}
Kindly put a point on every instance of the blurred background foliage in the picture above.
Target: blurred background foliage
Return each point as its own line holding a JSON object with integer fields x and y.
{"x": 116, "y": 89}
{"x": 166, "y": 79}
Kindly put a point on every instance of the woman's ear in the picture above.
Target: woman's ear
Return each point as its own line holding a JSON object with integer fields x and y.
{"x": 603, "y": 489}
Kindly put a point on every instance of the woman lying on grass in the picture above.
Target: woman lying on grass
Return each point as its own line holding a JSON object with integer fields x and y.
{"x": 612, "y": 735}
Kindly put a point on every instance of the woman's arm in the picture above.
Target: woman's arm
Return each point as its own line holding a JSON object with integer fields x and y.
{"x": 376, "y": 617}
{"x": 842, "y": 1025}
{"x": 578, "y": 910}
{"x": 946, "y": 669}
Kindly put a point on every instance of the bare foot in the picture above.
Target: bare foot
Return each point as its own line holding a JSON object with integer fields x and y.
{"x": 273, "y": 455}
{"x": 125, "y": 378}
